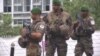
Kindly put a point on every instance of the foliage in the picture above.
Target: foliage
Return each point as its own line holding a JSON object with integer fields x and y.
{"x": 6, "y": 29}
{"x": 73, "y": 6}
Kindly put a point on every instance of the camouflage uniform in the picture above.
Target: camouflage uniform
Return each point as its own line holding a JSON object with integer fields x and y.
{"x": 38, "y": 26}
{"x": 33, "y": 48}
{"x": 84, "y": 39}
{"x": 56, "y": 37}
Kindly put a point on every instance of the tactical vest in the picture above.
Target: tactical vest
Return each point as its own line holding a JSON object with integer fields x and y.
{"x": 83, "y": 25}
{"x": 59, "y": 19}
{"x": 52, "y": 17}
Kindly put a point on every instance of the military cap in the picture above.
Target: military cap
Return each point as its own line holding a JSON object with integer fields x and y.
{"x": 84, "y": 9}
{"x": 36, "y": 11}
{"x": 56, "y": 2}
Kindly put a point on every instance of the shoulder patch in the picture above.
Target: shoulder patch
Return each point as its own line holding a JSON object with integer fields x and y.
{"x": 92, "y": 22}
{"x": 42, "y": 26}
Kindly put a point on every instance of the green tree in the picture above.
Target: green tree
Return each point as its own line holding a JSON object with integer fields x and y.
{"x": 73, "y": 8}
{"x": 6, "y": 29}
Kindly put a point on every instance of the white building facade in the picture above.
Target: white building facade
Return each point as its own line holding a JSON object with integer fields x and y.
{"x": 20, "y": 9}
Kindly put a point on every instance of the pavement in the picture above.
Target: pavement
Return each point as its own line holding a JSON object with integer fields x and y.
{"x": 5, "y": 46}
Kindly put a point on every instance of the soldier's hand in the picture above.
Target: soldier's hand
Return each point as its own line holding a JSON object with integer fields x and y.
{"x": 52, "y": 28}
{"x": 64, "y": 28}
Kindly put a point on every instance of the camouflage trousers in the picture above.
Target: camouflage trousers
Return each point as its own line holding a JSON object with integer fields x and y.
{"x": 33, "y": 50}
{"x": 58, "y": 44}
{"x": 80, "y": 49}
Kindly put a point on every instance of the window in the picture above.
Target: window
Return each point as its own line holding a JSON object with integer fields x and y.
{"x": 18, "y": 5}
{"x": 7, "y": 9}
{"x": 46, "y": 5}
{"x": 18, "y": 21}
{"x": 36, "y": 1}
{"x": 22, "y": 5}
{"x": 7, "y": 2}
{"x": 27, "y": 2}
{"x": 18, "y": 1}
{"x": 7, "y": 5}
{"x": 27, "y": 20}
{"x": 38, "y": 6}
{"x": 22, "y": 15}
{"x": 21, "y": 21}
{"x": 18, "y": 15}
{"x": 27, "y": 8}
{"x": 27, "y": 5}
{"x": 18, "y": 8}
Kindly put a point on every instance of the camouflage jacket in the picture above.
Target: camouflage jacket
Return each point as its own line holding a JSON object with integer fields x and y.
{"x": 36, "y": 26}
{"x": 59, "y": 24}
{"x": 83, "y": 28}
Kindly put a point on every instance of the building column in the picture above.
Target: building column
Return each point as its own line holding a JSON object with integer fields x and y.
{"x": 42, "y": 5}
{"x": 51, "y": 5}
{"x": 1, "y": 6}
{"x": 12, "y": 12}
{"x": 31, "y": 5}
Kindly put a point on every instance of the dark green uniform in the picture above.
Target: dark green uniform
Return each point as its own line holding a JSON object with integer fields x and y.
{"x": 83, "y": 35}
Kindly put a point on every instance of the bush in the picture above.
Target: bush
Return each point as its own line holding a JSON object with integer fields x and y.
{"x": 9, "y": 31}
{"x": 6, "y": 29}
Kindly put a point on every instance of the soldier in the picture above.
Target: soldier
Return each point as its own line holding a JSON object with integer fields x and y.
{"x": 37, "y": 29}
{"x": 58, "y": 24}
{"x": 83, "y": 30}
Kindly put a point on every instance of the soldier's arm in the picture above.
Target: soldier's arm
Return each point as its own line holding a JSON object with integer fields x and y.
{"x": 39, "y": 32}
{"x": 36, "y": 35}
{"x": 75, "y": 25}
{"x": 73, "y": 34}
